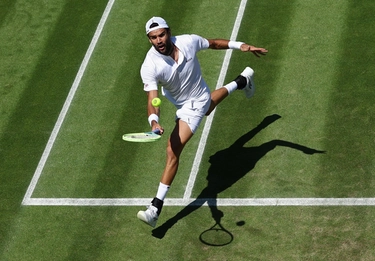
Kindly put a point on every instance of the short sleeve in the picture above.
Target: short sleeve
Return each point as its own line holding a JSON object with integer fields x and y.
{"x": 200, "y": 42}
{"x": 148, "y": 76}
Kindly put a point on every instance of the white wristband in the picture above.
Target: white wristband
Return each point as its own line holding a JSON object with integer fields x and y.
{"x": 153, "y": 117}
{"x": 235, "y": 45}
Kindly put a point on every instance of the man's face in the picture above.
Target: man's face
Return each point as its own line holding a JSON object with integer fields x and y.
{"x": 161, "y": 40}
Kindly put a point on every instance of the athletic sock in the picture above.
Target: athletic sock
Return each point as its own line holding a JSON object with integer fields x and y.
{"x": 162, "y": 191}
{"x": 232, "y": 86}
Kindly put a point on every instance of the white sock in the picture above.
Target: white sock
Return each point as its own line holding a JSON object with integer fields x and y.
{"x": 162, "y": 191}
{"x": 231, "y": 87}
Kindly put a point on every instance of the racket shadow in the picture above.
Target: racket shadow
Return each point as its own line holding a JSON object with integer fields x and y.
{"x": 227, "y": 167}
{"x": 216, "y": 235}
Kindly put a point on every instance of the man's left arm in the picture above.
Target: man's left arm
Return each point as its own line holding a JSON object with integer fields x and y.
{"x": 244, "y": 47}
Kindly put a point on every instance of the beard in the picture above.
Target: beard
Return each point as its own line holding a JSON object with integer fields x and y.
{"x": 165, "y": 49}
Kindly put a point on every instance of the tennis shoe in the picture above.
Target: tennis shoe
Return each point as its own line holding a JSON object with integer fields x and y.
{"x": 249, "y": 88}
{"x": 150, "y": 216}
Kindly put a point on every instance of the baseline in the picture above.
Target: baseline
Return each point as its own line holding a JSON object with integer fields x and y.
{"x": 256, "y": 202}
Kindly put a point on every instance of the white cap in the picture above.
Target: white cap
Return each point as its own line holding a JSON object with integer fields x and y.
{"x": 157, "y": 20}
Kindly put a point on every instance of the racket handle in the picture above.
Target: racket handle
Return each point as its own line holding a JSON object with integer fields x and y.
{"x": 156, "y": 131}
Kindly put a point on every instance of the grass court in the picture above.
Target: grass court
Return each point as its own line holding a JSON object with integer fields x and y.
{"x": 70, "y": 87}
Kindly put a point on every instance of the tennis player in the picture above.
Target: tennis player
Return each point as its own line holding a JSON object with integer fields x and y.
{"x": 171, "y": 63}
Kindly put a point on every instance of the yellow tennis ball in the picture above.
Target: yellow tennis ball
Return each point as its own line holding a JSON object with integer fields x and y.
{"x": 156, "y": 102}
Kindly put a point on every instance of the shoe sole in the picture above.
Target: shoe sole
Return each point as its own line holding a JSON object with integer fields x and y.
{"x": 250, "y": 88}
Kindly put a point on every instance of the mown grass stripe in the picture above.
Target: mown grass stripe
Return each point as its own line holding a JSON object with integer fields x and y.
{"x": 348, "y": 170}
{"x": 208, "y": 123}
{"x": 68, "y": 102}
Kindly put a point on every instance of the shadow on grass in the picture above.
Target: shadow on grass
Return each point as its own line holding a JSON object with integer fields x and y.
{"x": 227, "y": 167}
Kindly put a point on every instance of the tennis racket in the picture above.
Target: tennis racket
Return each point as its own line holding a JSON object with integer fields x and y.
{"x": 142, "y": 136}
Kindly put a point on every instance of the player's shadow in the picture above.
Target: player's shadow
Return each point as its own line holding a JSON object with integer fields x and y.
{"x": 227, "y": 167}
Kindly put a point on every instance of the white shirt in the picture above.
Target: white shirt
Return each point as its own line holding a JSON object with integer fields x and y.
{"x": 181, "y": 81}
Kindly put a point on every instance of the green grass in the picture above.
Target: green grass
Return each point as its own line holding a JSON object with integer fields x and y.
{"x": 317, "y": 76}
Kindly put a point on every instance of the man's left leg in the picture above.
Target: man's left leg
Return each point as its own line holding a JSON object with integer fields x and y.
{"x": 243, "y": 82}
{"x": 181, "y": 134}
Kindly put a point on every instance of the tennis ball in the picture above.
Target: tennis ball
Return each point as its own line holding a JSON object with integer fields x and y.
{"x": 156, "y": 102}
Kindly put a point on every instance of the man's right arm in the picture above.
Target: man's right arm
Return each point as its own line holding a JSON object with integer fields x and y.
{"x": 153, "y": 112}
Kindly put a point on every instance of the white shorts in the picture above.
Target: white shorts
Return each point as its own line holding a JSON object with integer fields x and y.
{"x": 193, "y": 111}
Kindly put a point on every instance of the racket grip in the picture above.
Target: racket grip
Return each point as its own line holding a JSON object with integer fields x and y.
{"x": 156, "y": 131}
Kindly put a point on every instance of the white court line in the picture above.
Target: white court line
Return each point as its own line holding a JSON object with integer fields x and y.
{"x": 67, "y": 103}
{"x": 207, "y": 125}
{"x": 256, "y": 202}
